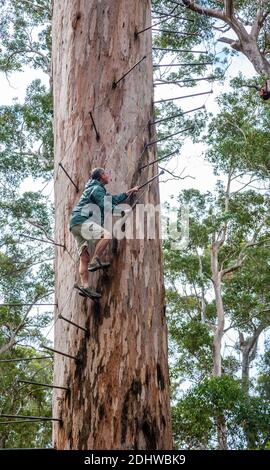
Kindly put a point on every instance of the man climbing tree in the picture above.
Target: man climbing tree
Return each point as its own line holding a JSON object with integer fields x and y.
{"x": 87, "y": 224}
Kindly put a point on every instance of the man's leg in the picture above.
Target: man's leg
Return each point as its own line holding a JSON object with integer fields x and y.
{"x": 83, "y": 268}
{"x": 101, "y": 246}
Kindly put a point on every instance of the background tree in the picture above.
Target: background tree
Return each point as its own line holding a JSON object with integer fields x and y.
{"x": 205, "y": 314}
{"x": 225, "y": 268}
{"x": 239, "y": 133}
{"x": 26, "y": 36}
{"x": 29, "y": 400}
{"x": 249, "y": 23}
{"x": 27, "y": 276}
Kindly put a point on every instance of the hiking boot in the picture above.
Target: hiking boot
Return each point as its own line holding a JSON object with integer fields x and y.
{"x": 91, "y": 293}
{"x": 97, "y": 265}
{"x": 87, "y": 292}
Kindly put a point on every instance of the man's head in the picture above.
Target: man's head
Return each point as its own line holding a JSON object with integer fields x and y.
{"x": 100, "y": 175}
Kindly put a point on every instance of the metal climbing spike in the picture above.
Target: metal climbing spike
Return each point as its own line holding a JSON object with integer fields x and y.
{"x": 39, "y": 384}
{"x": 19, "y": 359}
{"x": 165, "y": 138}
{"x": 173, "y": 116}
{"x": 94, "y": 125}
{"x": 182, "y": 97}
{"x": 33, "y": 418}
{"x": 178, "y": 50}
{"x": 151, "y": 179}
{"x": 158, "y": 159}
{"x": 133, "y": 205}
{"x": 115, "y": 83}
{"x": 70, "y": 179}
{"x": 179, "y": 82}
{"x": 185, "y": 64}
{"x": 61, "y": 317}
{"x": 56, "y": 351}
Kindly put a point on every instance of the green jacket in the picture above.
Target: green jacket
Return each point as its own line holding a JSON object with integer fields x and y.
{"x": 94, "y": 193}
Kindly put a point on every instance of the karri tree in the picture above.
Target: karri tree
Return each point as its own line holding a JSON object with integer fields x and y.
{"x": 119, "y": 381}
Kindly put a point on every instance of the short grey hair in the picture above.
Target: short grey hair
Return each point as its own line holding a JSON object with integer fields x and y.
{"x": 96, "y": 173}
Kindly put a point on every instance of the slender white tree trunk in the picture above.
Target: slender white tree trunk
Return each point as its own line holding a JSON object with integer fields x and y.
{"x": 216, "y": 278}
{"x": 218, "y": 335}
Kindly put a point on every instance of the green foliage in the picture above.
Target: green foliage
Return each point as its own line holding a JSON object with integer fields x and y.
{"x": 196, "y": 337}
{"x": 238, "y": 136}
{"x": 28, "y": 400}
{"x": 26, "y": 137}
{"x": 26, "y": 271}
{"x": 25, "y": 35}
{"x": 243, "y": 216}
{"x": 195, "y": 415}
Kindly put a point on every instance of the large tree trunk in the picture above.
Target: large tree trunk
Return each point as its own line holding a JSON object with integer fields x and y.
{"x": 119, "y": 393}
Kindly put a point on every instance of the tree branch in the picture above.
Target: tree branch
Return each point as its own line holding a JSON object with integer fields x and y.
{"x": 229, "y": 8}
{"x": 223, "y": 231}
{"x": 259, "y": 20}
{"x": 233, "y": 43}
{"x": 235, "y": 267}
{"x": 255, "y": 87}
{"x": 203, "y": 10}
{"x": 241, "y": 258}
{"x": 6, "y": 347}
{"x": 178, "y": 177}
{"x": 250, "y": 343}
{"x": 41, "y": 227}
{"x": 31, "y": 51}
{"x": 12, "y": 341}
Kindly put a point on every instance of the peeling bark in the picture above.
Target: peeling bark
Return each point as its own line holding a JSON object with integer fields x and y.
{"x": 119, "y": 395}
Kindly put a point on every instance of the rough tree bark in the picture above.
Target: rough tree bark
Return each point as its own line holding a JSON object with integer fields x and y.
{"x": 119, "y": 392}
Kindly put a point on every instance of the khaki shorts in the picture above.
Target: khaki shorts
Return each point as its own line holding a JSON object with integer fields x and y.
{"x": 87, "y": 233}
